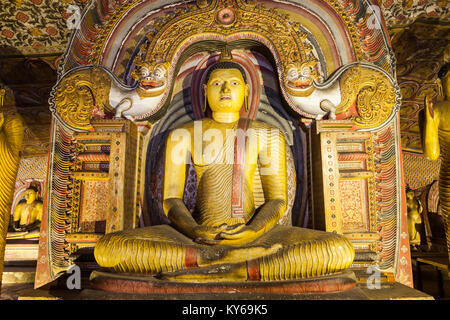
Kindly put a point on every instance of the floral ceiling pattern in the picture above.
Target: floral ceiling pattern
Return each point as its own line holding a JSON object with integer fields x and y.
{"x": 37, "y": 23}
{"x": 33, "y": 25}
{"x": 405, "y": 12}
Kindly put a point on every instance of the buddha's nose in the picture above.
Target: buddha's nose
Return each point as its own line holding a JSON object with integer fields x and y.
{"x": 226, "y": 87}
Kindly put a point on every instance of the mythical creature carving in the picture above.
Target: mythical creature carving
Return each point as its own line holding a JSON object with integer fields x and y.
{"x": 361, "y": 92}
{"x": 92, "y": 91}
{"x": 152, "y": 82}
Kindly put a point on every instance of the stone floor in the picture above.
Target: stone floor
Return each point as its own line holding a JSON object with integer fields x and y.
{"x": 430, "y": 282}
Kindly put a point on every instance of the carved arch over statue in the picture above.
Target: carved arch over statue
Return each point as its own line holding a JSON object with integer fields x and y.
{"x": 334, "y": 33}
{"x": 117, "y": 36}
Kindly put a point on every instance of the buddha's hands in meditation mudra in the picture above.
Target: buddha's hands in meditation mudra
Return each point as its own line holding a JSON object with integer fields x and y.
{"x": 218, "y": 235}
{"x": 226, "y": 238}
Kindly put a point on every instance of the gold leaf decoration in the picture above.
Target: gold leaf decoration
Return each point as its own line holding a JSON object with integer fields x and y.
{"x": 78, "y": 95}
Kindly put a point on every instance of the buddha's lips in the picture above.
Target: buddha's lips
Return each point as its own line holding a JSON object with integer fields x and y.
{"x": 225, "y": 98}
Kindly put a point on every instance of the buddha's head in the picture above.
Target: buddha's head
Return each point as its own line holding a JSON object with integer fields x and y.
{"x": 31, "y": 195}
{"x": 226, "y": 89}
{"x": 444, "y": 76}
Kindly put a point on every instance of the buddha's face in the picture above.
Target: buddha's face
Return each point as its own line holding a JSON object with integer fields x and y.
{"x": 30, "y": 196}
{"x": 226, "y": 90}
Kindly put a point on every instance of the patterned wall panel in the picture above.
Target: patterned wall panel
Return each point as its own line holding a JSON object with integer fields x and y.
{"x": 419, "y": 171}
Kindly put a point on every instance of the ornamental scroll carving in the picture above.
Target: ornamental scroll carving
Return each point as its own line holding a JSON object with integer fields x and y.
{"x": 81, "y": 95}
{"x": 94, "y": 92}
{"x": 360, "y": 92}
{"x": 372, "y": 95}
{"x": 226, "y": 20}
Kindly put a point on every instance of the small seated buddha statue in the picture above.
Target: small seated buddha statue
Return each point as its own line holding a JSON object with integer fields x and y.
{"x": 225, "y": 238}
{"x": 27, "y": 216}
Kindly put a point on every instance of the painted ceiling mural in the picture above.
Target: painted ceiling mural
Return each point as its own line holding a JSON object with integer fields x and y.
{"x": 46, "y": 25}
{"x": 405, "y": 12}
{"x": 420, "y": 54}
{"x": 33, "y": 35}
{"x": 33, "y": 25}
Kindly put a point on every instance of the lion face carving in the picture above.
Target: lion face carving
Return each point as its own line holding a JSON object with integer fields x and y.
{"x": 152, "y": 79}
{"x": 300, "y": 78}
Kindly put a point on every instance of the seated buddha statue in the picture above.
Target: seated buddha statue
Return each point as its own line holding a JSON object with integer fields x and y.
{"x": 225, "y": 238}
{"x": 27, "y": 216}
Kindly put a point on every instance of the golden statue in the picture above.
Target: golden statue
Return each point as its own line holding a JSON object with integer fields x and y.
{"x": 11, "y": 137}
{"x": 414, "y": 211}
{"x": 27, "y": 216}
{"x": 226, "y": 238}
{"x": 436, "y": 141}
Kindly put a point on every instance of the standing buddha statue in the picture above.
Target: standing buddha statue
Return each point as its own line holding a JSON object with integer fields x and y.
{"x": 11, "y": 137}
{"x": 436, "y": 142}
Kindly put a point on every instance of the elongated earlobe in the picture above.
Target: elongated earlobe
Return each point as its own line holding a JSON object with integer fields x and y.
{"x": 247, "y": 90}
{"x": 204, "y": 102}
{"x": 440, "y": 89}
